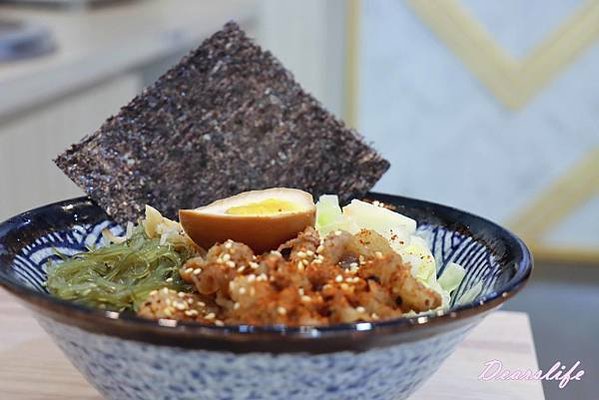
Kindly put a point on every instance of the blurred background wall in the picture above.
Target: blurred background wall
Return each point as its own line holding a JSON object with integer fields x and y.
{"x": 488, "y": 106}
{"x": 493, "y": 107}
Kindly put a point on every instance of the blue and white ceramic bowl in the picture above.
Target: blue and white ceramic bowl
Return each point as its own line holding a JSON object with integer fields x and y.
{"x": 126, "y": 357}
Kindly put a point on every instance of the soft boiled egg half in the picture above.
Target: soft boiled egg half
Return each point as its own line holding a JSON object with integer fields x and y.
{"x": 262, "y": 219}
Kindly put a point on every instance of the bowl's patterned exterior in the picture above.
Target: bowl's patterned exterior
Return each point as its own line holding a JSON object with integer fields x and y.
{"x": 123, "y": 369}
{"x": 371, "y": 361}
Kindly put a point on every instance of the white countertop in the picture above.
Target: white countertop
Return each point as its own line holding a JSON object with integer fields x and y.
{"x": 95, "y": 44}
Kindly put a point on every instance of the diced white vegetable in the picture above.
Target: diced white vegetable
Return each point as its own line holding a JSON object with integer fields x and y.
{"x": 452, "y": 277}
{"x": 329, "y": 216}
{"x": 471, "y": 294}
{"x": 379, "y": 219}
{"x": 418, "y": 255}
{"x": 327, "y": 210}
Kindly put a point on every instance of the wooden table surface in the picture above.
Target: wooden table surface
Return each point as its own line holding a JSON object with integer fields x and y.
{"x": 32, "y": 367}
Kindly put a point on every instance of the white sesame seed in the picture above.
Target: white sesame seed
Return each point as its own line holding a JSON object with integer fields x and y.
{"x": 165, "y": 290}
{"x": 188, "y": 270}
{"x": 344, "y": 286}
{"x": 339, "y": 278}
{"x": 230, "y": 264}
{"x": 306, "y": 299}
{"x": 228, "y": 244}
{"x": 181, "y": 294}
{"x": 153, "y": 292}
{"x": 180, "y": 305}
{"x": 254, "y": 265}
{"x": 218, "y": 322}
{"x": 226, "y": 257}
{"x": 301, "y": 254}
{"x": 241, "y": 269}
{"x": 197, "y": 271}
{"x": 338, "y": 233}
{"x": 310, "y": 253}
{"x": 378, "y": 254}
{"x": 210, "y": 316}
{"x": 320, "y": 249}
{"x": 317, "y": 261}
{"x": 360, "y": 309}
{"x": 191, "y": 313}
{"x": 300, "y": 266}
{"x": 251, "y": 278}
{"x": 201, "y": 304}
{"x": 169, "y": 280}
{"x": 242, "y": 290}
{"x": 353, "y": 265}
{"x": 374, "y": 315}
{"x": 281, "y": 310}
{"x": 300, "y": 291}
{"x": 262, "y": 277}
{"x": 236, "y": 306}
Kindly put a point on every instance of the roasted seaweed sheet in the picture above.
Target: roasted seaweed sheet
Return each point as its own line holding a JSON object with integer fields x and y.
{"x": 228, "y": 118}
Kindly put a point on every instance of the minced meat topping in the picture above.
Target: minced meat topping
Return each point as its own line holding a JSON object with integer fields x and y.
{"x": 309, "y": 280}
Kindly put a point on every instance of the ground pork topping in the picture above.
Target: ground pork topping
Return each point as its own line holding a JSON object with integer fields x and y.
{"x": 309, "y": 280}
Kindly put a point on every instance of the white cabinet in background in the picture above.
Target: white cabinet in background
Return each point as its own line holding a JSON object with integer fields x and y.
{"x": 31, "y": 140}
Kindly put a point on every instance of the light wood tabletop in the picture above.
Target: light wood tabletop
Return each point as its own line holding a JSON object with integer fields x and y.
{"x": 32, "y": 367}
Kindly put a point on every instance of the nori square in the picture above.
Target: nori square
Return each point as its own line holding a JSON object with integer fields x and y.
{"x": 228, "y": 118}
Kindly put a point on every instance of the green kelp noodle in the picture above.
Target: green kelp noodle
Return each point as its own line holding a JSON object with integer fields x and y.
{"x": 120, "y": 275}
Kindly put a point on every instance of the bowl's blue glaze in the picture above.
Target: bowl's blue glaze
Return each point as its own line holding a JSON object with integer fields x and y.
{"x": 129, "y": 358}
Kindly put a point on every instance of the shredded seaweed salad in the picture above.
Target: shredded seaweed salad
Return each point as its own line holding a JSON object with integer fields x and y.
{"x": 120, "y": 275}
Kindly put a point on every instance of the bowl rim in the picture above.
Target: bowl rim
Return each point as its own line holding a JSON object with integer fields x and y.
{"x": 106, "y": 321}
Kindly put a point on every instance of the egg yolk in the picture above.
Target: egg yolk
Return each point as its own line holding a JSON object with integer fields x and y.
{"x": 264, "y": 207}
